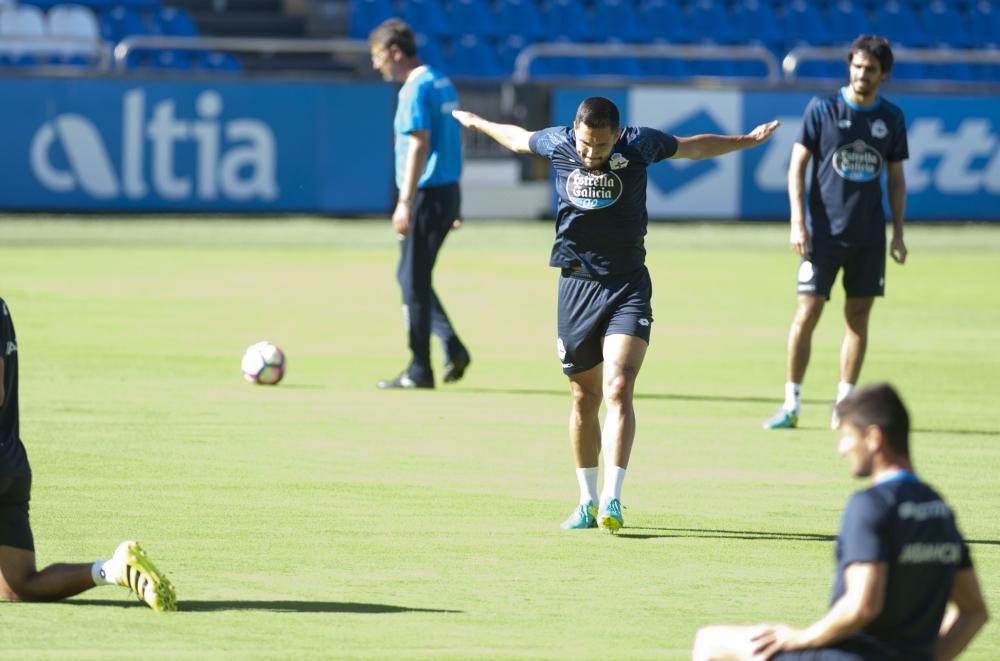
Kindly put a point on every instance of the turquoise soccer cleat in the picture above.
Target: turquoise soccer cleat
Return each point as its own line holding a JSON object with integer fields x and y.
{"x": 583, "y": 517}
{"x": 783, "y": 419}
{"x": 140, "y": 575}
{"x": 610, "y": 516}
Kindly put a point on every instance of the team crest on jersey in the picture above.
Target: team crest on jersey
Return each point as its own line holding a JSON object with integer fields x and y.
{"x": 618, "y": 161}
{"x": 592, "y": 190}
{"x": 11, "y": 348}
{"x": 857, "y": 161}
{"x": 879, "y": 129}
{"x": 844, "y": 124}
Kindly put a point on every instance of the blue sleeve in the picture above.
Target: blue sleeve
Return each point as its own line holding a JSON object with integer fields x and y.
{"x": 860, "y": 530}
{"x": 654, "y": 145}
{"x": 811, "y": 123}
{"x": 899, "y": 150}
{"x": 545, "y": 141}
{"x": 416, "y": 106}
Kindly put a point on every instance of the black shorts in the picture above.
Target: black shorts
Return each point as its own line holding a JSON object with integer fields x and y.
{"x": 590, "y": 309}
{"x": 15, "y": 492}
{"x": 864, "y": 270}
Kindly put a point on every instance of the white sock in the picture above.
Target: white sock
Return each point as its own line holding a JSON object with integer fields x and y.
{"x": 843, "y": 390}
{"x": 792, "y": 393}
{"x": 587, "y": 477}
{"x": 614, "y": 477}
{"x": 104, "y": 573}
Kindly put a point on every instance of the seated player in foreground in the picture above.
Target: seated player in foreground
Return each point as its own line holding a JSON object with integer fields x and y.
{"x": 605, "y": 312}
{"x": 905, "y": 587}
{"x": 20, "y": 580}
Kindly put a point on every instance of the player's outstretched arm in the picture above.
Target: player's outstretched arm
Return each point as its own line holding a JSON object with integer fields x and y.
{"x": 707, "y": 145}
{"x": 962, "y": 623}
{"x": 510, "y": 136}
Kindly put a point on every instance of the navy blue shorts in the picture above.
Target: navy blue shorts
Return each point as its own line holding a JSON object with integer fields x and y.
{"x": 590, "y": 309}
{"x": 864, "y": 270}
{"x": 15, "y": 492}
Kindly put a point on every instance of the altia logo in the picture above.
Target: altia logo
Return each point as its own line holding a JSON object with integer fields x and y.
{"x": 241, "y": 168}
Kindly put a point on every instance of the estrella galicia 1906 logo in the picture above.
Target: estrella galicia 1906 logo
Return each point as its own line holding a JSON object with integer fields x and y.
{"x": 593, "y": 190}
{"x": 857, "y": 161}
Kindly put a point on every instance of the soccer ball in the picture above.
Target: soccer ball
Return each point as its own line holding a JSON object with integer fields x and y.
{"x": 263, "y": 363}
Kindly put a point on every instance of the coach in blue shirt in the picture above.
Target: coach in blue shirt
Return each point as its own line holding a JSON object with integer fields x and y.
{"x": 428, "y": 167}
{"x": 900, "y": 561}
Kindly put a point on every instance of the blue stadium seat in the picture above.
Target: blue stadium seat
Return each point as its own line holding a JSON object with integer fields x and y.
{"x": 507, "y": 49}
{"x": 617, "y": 21}
{"x": 428, "y": 17}
{"x": 221, "y": 62}
{"x": 567, "y": 20}
{"x": 899, "y": 24}
{"x": 619, "y": 67}
{"x": 120, "y": 22}
{"x": 521, "y": 18}
{"x": 171, "y": 22}
{"x": 366, "y": 14}
{"x": 808, "y": 23}
{"x": 709, "y": 23}
{"x": 475, "y": 17}
{"x": 662, "y": 68}
{"x": 822, "y": 70}
{"x": 846, "y": 21}
{"x": 760, "y": 25}
{"x": 908, "y": 71}
{"x": 713, "y": 68}
{"x": 946, "y": 27}
{"x": 664, "y": 21}
{"x": 558, "y": 67}
{"x": 431, "y": 51}
{"x": 472, "y": 57}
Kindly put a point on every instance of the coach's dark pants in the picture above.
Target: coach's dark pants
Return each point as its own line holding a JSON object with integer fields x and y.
{"x": 434, "y": 209}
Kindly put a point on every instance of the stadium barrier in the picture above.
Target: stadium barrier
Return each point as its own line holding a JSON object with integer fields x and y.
{"x": 96, "y": 144}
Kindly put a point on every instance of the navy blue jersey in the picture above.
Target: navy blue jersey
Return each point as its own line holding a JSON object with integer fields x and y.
{"x": 13, "y": 459}
{"x": 905, "y": 524}
{"x": 850, "y": 146}
{"x": 601, "y": 220}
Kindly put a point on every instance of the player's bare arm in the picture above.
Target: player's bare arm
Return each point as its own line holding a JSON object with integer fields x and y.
{"x": 896, "y": 183}
{"x": 708, "y": 145}
{"x": 416, "y": 158}
{"x": 966, "y": 616}
{"x": 862, "y": 601}
{"x": 510, "y": 136}
{"x": 798, "y": 239}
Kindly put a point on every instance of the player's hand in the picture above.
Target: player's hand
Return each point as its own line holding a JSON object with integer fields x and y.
{"x": 457, "y": 223}
{"x": 898, "y": 249}
{"x": 774, "y": 639}
{"x": 763, "y": 132}
{"x": 799, "y": 240}
{"x": 401, "y": 218}
{"x": 466, "y": 118}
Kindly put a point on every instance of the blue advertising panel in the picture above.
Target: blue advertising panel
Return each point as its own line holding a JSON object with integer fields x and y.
{"x": 953, "y": 172}
{"x": 221, "y": 145}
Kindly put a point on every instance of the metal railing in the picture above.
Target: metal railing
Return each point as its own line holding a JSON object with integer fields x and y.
{"x": 530, "y": 54}
{"x": 256, "y": 45}
{"x": 795, "y": 57}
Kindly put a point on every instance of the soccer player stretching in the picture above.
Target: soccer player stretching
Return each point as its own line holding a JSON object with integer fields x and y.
{"x": 19, "y": 578}
{"x": 604, "y": 307}
{"x": 905, "y": 587}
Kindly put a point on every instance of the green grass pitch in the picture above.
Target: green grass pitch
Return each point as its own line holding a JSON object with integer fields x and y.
{"x": 325, "y": 519}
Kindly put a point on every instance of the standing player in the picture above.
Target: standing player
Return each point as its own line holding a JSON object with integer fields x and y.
{"x": 605, "y": 313}
{"x": 19, "y": 579}
{"x": 853, "y": 136}
{"x": 900, "y": 561}
{"x": 428, "y": 167}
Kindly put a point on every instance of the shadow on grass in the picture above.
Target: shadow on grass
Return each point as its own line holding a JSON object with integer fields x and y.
{"x": 751, "y": 535}
{"x": 712, "y": 533}
{"x": 640, "y": 395}
{"x": 281, "y": 606}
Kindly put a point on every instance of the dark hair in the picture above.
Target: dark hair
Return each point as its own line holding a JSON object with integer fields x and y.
{"x": 597, "y": 113}
{"x": 879, "y": 404}
{"x": 876, "y": 46}
{"x": 394, "y": 32}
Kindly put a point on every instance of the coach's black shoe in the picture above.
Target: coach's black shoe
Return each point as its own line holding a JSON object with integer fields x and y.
{"x": 454, "y": 368}
{"x": 404, "y": 381}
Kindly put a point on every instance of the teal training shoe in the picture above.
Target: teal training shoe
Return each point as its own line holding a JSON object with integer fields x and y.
{"x": 583, "y": 517}
{"x": 783, "y": 419}
{"x": 610, "y": 516}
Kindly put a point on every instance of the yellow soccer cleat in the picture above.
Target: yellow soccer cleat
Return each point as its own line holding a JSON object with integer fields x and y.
{"x": 140, "y": 575}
